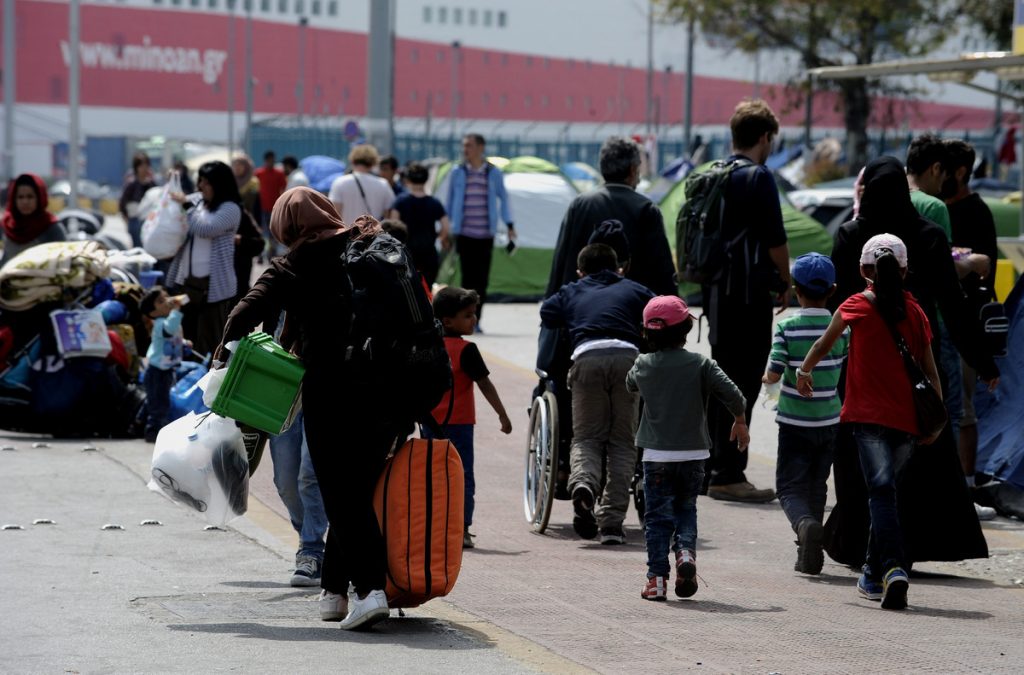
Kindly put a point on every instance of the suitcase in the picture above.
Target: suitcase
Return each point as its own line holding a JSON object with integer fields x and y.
{"x": 419, "y": 504}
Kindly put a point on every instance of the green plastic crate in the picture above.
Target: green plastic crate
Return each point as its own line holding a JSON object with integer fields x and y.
{"x": 262, "y": 385}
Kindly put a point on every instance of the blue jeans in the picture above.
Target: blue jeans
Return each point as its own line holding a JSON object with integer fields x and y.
{"x": 802, "y": 468}
{"x": 670, "y": 491}
{"x": 953, "y": 394}
{"x": 158, "y": 385}
{"x": 461, "y": 436}
{"x": 298, "y": 488}
{"x": 883, "y": 454}
{"x": 135, "y": 231}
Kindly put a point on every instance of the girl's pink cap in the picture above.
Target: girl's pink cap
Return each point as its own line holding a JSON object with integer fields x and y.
{"x": 664, "y": 311}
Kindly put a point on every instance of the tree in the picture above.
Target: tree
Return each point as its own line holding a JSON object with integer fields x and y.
{"x": 828, "y": 33}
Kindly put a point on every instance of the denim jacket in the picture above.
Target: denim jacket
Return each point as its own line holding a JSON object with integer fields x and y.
{"x": 495, "y": 191}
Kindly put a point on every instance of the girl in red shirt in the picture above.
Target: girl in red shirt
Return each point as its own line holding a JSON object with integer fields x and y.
{"x": 879, "y": 402}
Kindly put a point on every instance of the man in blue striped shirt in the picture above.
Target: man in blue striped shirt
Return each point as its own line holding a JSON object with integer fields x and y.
{"x": 474, "y": 191}
{"x": 807, "y": 427}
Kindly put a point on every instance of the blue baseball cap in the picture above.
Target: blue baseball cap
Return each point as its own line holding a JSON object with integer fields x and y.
{"x": 815, "y": 272}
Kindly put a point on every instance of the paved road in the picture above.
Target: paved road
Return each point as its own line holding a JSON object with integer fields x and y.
{"x": 176, "y": 598}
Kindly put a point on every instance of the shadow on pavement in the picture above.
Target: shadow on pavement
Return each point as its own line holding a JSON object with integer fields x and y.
{"x": 942, "y": 579}
{"x": 255, "y": 584}
{"x": 942, "y": 613}
{"x": 490, "y": 551}
{"x": 712, "y": 606}
{"x": 413, "y": 633}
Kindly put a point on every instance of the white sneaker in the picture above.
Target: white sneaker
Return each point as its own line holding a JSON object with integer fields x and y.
{"x": 984, "y": 512}
{"x": 363, "y": 613}
{"x": 333, "y": 606}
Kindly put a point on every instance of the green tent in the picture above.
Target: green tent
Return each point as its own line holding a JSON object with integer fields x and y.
{"x": 805, "y": 233}
{"x": 539, "y": 195}
{"x": 1006, "y": 215}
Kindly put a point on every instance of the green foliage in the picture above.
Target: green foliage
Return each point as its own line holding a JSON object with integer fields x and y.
{"x": 994, "y": 18}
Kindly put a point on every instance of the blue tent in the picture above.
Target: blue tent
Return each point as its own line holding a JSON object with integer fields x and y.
{"x": 784, "y": 157}
{"x": 677, "y": 169}
{"x": 321, "y": 171}
{"x": 1000, "y": 433}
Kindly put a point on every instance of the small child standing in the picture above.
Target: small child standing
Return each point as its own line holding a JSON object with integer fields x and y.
{"x": 673, "y": 433}
{"x": 166, "y": 348}
{"x": 807, "y": 427}
{"x": 456, "y": 309}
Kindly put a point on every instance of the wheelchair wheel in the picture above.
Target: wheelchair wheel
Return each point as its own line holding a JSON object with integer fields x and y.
{"x": 541, "y": 461}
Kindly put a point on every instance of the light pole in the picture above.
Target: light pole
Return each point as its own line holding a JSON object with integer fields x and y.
{"x": 10, "y": 72}
{"x": 248, "y": 77}
{"x": 231, "y": 77}
{"x": 650, "y": 68}
{"x": 73, "y": 91}
{"x": 688, "y": 101}
{"x": 455, "y": 88}
{"x": 300, "y": 87}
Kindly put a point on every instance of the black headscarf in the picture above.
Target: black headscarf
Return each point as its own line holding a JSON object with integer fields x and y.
{"x": 886, "y": 205}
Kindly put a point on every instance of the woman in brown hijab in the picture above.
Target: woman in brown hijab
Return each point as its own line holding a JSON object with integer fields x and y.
{"x": 347, "y": 427}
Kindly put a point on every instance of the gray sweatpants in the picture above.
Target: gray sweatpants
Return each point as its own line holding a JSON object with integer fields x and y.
{"x": 604, "y": 418}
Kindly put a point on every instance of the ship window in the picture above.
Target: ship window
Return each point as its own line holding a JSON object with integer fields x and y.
{"x": 428, "y": 13}
{"x": 442, "y": 15}
{"x": 264, "y": 5}
{"x": 472, "y": 17}
{"x": 488, "y": 17}
{"x": 317, "y": 7}
{"x": 502, "y": 19}
{"x": 332, "y": 8}
{"x": 457, "y": 16}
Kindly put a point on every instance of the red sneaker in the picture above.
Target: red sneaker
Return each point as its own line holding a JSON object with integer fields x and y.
{"x": 686, "y": 573}
{"x": 655, "y": 589}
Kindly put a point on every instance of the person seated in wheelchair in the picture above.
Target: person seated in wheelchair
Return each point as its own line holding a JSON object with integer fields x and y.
{"x": 603, "y": 313}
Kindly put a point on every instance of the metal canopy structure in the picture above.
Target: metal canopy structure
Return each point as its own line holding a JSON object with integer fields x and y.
{"x": 1005, "y": 65}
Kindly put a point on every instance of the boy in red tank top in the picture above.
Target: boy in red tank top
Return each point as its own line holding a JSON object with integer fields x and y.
{"x": 456, "y": 309}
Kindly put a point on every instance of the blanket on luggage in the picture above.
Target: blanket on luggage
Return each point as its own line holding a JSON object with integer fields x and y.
{"x": 42, "y": 273}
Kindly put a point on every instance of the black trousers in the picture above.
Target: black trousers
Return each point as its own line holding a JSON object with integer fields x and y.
{"x": 475, "y": 258}
{"x": 741, "y": 348}
{"x": 348, "y": 443}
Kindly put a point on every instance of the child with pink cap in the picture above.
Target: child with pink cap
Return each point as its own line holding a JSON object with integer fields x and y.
{"x": 673, "y": 434}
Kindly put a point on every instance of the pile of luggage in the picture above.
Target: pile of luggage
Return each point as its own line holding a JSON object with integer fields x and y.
{"x": 71, "y": 341}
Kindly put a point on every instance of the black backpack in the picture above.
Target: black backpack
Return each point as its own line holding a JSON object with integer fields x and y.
{"x": 395, "y": 346}
{"x": 702, "y": 253}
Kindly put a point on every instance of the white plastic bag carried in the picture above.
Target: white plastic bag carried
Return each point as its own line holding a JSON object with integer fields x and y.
{"x": 199, "y": 461}
{"x": 166, "y": 228}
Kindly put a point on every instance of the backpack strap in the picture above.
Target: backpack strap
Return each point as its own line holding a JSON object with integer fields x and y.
{"x": 362, "y": 192}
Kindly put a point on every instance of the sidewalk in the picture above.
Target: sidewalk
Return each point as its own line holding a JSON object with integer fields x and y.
{"x": 177, "y": 598}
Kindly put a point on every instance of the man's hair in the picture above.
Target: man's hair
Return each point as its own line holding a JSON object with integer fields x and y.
{"x": 596, "y": 258}
{"x": 364, "y": 155}
{"x": 960, "y": 154}
{"x": 669, "y": 337}
{"x": 389, "y": 161}
{"x": 751, "y": 120}
{"x": 148, "y": 302}
{"x": 476, "y": 138}
{"x": 618, "y": 158}
{"x": 923, "y": 152}
{"x": 416, "y": 174}
{"x": 451, "y": 300}
{"x": 396, "y": 229}
{"x": 269, "y": 154}
{"x": 290, "y": 161}
{"x": 139, "y": 159}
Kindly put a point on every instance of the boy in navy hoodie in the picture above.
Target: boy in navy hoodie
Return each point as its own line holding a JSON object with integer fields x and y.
{"x": 603, "y": 313}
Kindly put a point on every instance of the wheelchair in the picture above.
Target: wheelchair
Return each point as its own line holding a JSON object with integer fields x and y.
{"x": 549, "y": 438}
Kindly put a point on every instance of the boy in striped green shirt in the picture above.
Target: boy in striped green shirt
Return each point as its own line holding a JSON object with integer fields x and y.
{"x": 807, "y": 427}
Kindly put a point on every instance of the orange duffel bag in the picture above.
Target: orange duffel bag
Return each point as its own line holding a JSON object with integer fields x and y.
{"x": 419, "y": 505}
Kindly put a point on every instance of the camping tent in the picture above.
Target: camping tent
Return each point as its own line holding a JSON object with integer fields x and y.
{"x": 583, "y": 176}
{"x": 539, "y": 195}
{"x": 321, "y": 171}
{"x": 805, "y": 233}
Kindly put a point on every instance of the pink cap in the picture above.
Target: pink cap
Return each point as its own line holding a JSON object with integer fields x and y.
{"x": 883, "y": 243}
{"x": 664, "y": 311}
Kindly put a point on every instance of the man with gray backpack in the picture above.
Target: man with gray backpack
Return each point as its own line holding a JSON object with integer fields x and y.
{"x": 732, "y": 242}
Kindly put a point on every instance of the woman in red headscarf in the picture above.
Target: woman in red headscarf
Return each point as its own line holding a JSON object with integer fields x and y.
{"x": 26, "y": 220}
{"x": 347, "y": 423}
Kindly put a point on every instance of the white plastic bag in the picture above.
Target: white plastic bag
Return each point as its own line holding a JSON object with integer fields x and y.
{"x": 199, "y": 461}
{"x": 166, "y": 228}
{"x": 210, "y": 384}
